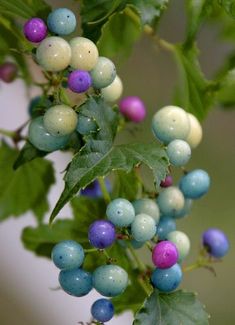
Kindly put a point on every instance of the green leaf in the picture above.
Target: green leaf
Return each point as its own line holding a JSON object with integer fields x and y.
{"x": 229, "y": 7}
{"x": 25, "y": 189}
{"x": 126, "y": 185}
{"x": 174, "y": 308}
{"x": 120, "y": 32}
{"x": 25, "y": 9}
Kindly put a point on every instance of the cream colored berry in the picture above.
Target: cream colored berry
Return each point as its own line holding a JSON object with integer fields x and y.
{"x": 114, "y": 91}
{"x": 195, "y": 134}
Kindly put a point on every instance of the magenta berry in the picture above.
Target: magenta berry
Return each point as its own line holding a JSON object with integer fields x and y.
{"x": 165, "y": 254}
{"x": 133, "y": 108}
{"x": 216, "y": 242}
{"x": 8, "y": 71}
{"x": 79, "y": 81}
{"x": 35, "y": 30}
{"x": 168, "y": 181}
{"x": 101, "y": 234}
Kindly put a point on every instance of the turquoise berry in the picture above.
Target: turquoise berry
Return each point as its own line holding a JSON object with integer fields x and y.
{"x": 167, "y": 280}
{"x": 42, "y": 139}
{"x": 165, "y": 226}
{"x": 170, "y": 201}
{"x": 76, "y": 282}
{"x": 120, "y": 212}
{"x": 103, "y": 74}
{"x": 102, "y": 310}
{"x": 185, "y": 211}
{"x": 148, "y": 207}
{"x": 86, "y": 125}
{"x": 181, "y": 241}
{"x": 137, "y": 244}
{"x": 67, "y": 255}
{"x": 195, "y": 184}
{"x": 61, "y": 21}
{"x": 110, "y": 280}
{"x": 143, "y": 227}
{"x": 179, "y": 152}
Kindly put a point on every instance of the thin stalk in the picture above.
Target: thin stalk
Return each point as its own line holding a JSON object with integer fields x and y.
{"x": 7, "y": 133}
{"x": 104, "y": 190}
{"x": 90, "y": 250}
{"x": 141, "y": 266}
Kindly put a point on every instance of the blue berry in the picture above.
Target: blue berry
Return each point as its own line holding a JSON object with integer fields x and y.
{"x": 170, "y": 201}
{"x": 167, "y": 280}
{"x": 76, "y": 282}
{"x": 110, "y": 280}
{"x": 179, "y": 152}
{"x": 101, "y": 234}
{"x": 68, "y": 254}
{"x": 120, "y": 212}
{"x": 86, "y": 125}
{"x": 165, "y": 226}
{"x": 61, "y": 21}
{"x": 148, "y": 207}
{"x": 143, "y": 227}
{"x": 102, "y": 310}
{"x": 195, "y": 184}
{"x": 216, "y": 242}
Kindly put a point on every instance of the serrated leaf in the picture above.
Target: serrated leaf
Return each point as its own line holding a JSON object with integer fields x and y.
{"x": 25, "y": 9}
{"x": 125, "y": 185}
{"x": 28, "y": 153}
{"x": 25, "y": 189}
{"x": 174, "y": 308}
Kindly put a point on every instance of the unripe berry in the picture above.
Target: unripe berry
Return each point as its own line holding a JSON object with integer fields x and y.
{"x": 35, "y": 30}
{"x": 170, "y": 201}
{"x": 8, "y": 71}
{"x": 182, "y": 242}
{"x": 179, "y": 152}
{"x": 133, "y": 108}
{"x": 113, "y": 92}
{"x": 195, "y": 134}
{"x": 103, "y": 74}
{"x": 61, "y": 21}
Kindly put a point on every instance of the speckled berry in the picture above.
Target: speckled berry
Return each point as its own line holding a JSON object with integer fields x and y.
{"x": 179, "y": 152}
{"x": 133, "y": 108}
{"x": 167, "y": 280}
{"x": 120, "y": 212}
{"x": 216, "y": 242}
{"x": 110, "y": 280}
{"x": 76, "y": 282}
{"x": 101, "y": 234}
{"x": 143, "y": 227}
{"x": 35, "y": 30}
{"x": 79, "y": 81}
{"x": 102, "y": 310}
{"x": 195, "y": 134}
{"x": 113, "y": 92}
{"x": 61, "y": 21}
{"x": 164, "y": 254}
{"x": 8, "y": 72}
{"x": 147, "y": 206}
{"x": 103, "y": 74}
{"x": 182, "y": 242}
{"x": 167, "y": 182}
{"x": 170, "y": 201}
{"x": 165, "y": 226}
{"x": 84, "y": 54}
{"x": 195, "y": 184}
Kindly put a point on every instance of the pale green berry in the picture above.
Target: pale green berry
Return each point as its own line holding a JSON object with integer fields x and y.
{"x": 195, "y": 134}
{"x": 143, "y": 227}
{"x": 181, "y": 241}
{"x": 170, "y": 201}
{"x": 103, "y": 74}
{"x": 113, "y": 92}
{"x": 148, "y": 207}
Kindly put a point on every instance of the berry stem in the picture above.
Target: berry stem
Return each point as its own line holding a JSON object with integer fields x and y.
{"x": 141, "y": 266}
{"x": 144, "y": 286}
{"x": 200, "y": 263}
{"x": 10, "y": 134}
{"x": 90, "y": 250}
{"x": 157, "y": 40}
{"x": 104, "y": 190}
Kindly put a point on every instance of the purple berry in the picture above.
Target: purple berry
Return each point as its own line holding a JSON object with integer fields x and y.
{"x": 216, "y": 242}
{"x": 35, "y": 30}
{"x": 133, "y": 108}
{"x": 165, "y": 254}
{"x": 93, "y": 190}
{"x": 8, "y": 71}
{"x": 168, "y": 181}
{"x": 101, "y": 234}
{"x": 79, "y": 81}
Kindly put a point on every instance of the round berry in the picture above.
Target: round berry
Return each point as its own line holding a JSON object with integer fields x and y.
{"x": 76, "y": 282}
{"x": 133, "y": 108}
{"x": 42, "y": 139}
{"x": 136, "y": 244}
{"x": 143, "y": 227}
{"x": 113, "y": 92}
{"x": 84, "y": 53}
{"x": 8, "y": 71}
{"x": 168, "y": 181}
{"x": 53, "y": 54}
{"x": 110, "y": 280}
{"x": 79, "y": 81}
{"x": 35, "y": 30}
{"x": 181, "y": 241}
{"x": 120, "y": 212}
{"x": 186, "y": 209}
{"x": 165, "y": 226}
{"x": 102, "y": 310}
{"x": 68, "y": 254}
{"x": 103, "y": 74}
{"x": 61, "y": 21}
{"x": 216, "y": 242}
{"x": 195, "y": 184}
{"x": 101, "y": 234}
{"x": 179, "y": 152}
{"x": 165, "y": 254}
{"x": 170, "y": 123}
{"x": 195, "y": 134}
{"x": 60, "y": 120}
{"x": 170, "y": 201}
{"x": 86, "y": 125}
{"x": 147, "y": 206}
{"x": 167, "y": 280}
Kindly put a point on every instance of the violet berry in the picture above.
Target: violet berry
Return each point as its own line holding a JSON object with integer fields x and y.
{"x": 35, "y": 30}
{"x": 216, "y": 242}
{"x": 8, "y": 71}
{"x": 101, "y": 234}
{"x": 133, "y": 108}
{"x": 168, "y": 181}
{"x": 79, "y": 81}
{"x": 165, "y": 254}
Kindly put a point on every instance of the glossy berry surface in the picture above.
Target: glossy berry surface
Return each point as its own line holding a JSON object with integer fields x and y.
{"x": 76, "y": 282}
{"x": 79, "y": 81}
{"x": 102, "y": 310}
{"x": 133, "y": 108}
{"x": 94, "y": 190}
{"x": 35, "y": 30}
{"x": 179, "y": 152}
{"x": 167, "y": 280}
{"x": 216, "y": 242}
{"x": 68, "y": 254}
{"x": 167, "y": 182}
{"x": 165, "y": 226}
{"x": 53, "y": 54}
{"x": 186, "y": 209}
{"x": 170, "y": 201}
{"x": 113, "y": 92}
{"x": 170, "y": 123}
{"x": 195, "y": 184}
{"x": 61, "y": 21}
{"x": 110, "y": 280}
{"x": 60, "y": 120}
{"x": 42, "y": 139}
{"x": 8, "y": 71}
{"x": 182, "y": 242}
{"x": 120, "y": 212}
{"x": 86, "y": 125}
{"x": 147, "y": 206}
{"x": 84, "y": 54}
{"x": 103, "y": 74}
{"x": 101, "y": 234}
{"x": 143, "y": 227}
{"x": 164, "y": 254}
{"x": 195, "y": 134}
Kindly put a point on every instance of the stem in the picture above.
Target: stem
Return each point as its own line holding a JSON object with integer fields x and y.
{"x": 104, "y": 190}
{"x": 149, "y": 245}
{"x": 200, "y": 263}
{"x": 10, "y": 134}
{"x": 144, "y": 286}
{"x": 157, "y": 40}
{"x": 90, "y": 250}
{"x": 140, "y": 264}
